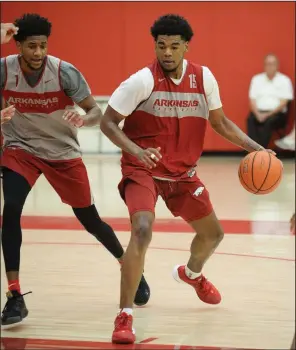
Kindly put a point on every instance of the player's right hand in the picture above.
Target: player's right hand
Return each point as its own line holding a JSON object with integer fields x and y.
{"x": 6, "y": 114}
{"x": 149, "y": 156}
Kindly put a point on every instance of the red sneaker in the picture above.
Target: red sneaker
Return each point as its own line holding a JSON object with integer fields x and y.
{"x": 205, "y": 290}
{"x": 123, "y": 331}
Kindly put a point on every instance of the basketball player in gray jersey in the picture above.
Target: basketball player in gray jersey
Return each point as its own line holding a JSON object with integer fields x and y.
{"x": 41, "y": 138}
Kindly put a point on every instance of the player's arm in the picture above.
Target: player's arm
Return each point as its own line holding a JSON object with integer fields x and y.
{"x": 110, "y": 127}
{"x": 76, "y": 87}
{"x": 8, "y": 30}
{"x": 6, "y": 112}
{"x": 218, "y": 120}
{"x": 230, "y": 131}
{"x": 93, "y": 113}
{"x": 121, "y": 104}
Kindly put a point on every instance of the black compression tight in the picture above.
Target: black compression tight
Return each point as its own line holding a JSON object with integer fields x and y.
{"x": 93, "y": 224}
{"x": 15, "y": 191}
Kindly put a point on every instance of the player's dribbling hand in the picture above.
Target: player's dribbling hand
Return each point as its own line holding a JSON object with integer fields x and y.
{"x": 8, "y": 30}
{"x": 6, "y": 114}
{"x": 273, "y": 153}
{"x": 268, "y": 150}
{"x": 149, "y": 156}
{"x": 73, "y": 118}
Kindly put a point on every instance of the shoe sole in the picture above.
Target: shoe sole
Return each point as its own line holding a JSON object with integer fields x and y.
{"x": 123, "y": 341}
{"x": 12, "y": 325}
{"x": 176, "y": 274}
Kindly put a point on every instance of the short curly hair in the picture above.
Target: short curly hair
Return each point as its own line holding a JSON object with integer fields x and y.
{"x": 172, "y": 25}
{"x": 31, "y": 24}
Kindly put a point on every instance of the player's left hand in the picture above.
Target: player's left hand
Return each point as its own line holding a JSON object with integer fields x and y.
{"x": 73, "y": 118}
{"x": 268, "y": 150}
{"x": 271, "y": 151}
{"x": 8, "y": 30}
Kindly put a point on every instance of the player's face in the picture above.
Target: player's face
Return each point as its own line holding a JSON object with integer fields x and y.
{"x": 33, "y": 51}
{"x": 170, "y": 50}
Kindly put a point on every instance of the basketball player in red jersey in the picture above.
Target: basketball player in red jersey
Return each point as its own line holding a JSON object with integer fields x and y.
{"x": 166, "y": 107}
{"x": 41, "y": 138}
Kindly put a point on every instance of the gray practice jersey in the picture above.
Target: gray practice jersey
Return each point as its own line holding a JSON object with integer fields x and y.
{"x": 41, "y": 99}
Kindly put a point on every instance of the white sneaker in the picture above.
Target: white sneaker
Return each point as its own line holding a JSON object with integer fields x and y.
{"x": 286, "y": 143}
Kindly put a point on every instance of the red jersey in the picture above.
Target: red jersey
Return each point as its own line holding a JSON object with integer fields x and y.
{"x": 174, "y": 117}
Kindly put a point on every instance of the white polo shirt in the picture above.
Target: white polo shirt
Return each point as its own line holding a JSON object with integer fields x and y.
{"x": 269, "y": 93}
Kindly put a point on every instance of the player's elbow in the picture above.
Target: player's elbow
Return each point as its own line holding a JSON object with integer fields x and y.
{"x": 219, "y": 124}
{"x": 106, "y": 124}
{"x": 98, "y": 114}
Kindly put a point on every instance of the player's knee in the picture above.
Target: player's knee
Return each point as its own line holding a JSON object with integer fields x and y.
{"x": 217, "y": 235}
{"x": 142, "y": 231}
{"x": 90, "y": 219}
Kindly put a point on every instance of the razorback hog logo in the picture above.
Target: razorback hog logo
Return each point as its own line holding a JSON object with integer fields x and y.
{"x": 33, "y": 101}
{"x": 175, "y": 103}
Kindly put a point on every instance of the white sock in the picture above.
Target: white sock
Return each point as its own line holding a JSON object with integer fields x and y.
{"x": 126, "y": 310}
{"x": 190, "y": 274}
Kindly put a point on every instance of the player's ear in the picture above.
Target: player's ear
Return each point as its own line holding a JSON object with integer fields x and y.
{"x": 19, "y": 46}
{"x": 186, "y": 46}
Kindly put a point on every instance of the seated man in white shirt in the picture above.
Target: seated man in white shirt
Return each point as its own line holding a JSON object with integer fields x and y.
{"x": 269, "y": 95}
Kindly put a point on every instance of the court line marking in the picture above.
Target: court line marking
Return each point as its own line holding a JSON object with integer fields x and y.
{"x": 161, "y": 225}
{"x": 163, "y": 248}
{"x": 31, "y": 343}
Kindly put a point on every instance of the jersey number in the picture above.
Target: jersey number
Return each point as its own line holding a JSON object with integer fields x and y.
{"x": 192, "y": 78}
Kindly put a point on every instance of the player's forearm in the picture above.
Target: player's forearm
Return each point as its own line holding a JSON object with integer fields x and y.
{"x": 235, "y": 135}
{"x": 93, "y": 117}
{"x": 118, "y": 137}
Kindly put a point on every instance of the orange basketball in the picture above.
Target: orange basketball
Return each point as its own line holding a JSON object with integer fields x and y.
{"x": 260, "y": 172}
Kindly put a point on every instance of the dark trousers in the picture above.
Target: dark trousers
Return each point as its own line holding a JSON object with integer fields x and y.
{"x": 261, "y": 132}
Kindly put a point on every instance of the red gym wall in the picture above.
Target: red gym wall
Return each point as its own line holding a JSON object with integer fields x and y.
{"x": 108, "y": 41}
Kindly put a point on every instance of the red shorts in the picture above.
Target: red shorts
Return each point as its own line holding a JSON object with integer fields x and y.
{"x": 68, "y": 177}
{"x": 189, "y": 200}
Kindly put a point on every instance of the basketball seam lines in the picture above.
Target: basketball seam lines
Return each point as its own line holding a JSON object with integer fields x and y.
{"x": 253, "y": 171}
{"x": 272, "y": 185}
{"x": 240, "y": 175}
{"x": 266, "y": 174}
